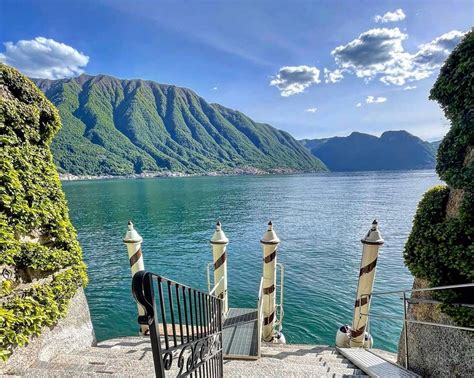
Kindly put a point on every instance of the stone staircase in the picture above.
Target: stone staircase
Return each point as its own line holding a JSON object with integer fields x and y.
{"x": 132, "y": 356}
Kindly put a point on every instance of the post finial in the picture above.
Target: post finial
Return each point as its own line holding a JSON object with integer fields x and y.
{"x": 270, "y": 237}
{"x": 219, "y": 235}
{"x": 373, "y": 236}
{"x": 132, "y": 236}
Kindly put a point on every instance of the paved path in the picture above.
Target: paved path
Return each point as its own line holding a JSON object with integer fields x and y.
{"x": 131, "y": 356}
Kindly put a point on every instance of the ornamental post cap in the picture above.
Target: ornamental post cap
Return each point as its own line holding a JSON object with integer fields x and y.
{"x": 132, "y": 236}
{"x": 373, "y": 237}
{"x": 219, "y": 235}
{"x": 270, "y": 236}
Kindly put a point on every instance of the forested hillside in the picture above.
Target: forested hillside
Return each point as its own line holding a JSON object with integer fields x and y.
{"x": 120, "y": 127}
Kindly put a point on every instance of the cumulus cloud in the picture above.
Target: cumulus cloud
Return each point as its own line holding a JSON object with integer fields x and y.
{"x": 359, "y": 104}
{"x": 312, "y": 110}
{"x": 380, "y": 53}
{"x": 375, "y": 100}
{"x": 292, "y": 80}
{"x": 44, "y": 58}
{"x": 398, "y": 15}
{"x": 333, "y": 76}
{"x": 409, "y": 87}
{"x": 433, "y": 54}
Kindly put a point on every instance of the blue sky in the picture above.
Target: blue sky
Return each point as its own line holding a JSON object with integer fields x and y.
{"x": 315, "y": 69}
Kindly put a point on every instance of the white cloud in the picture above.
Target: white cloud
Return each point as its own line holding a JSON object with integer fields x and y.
{"x": 375, "y": 100}
{"x": 44, "y": 58}
{"x": 409, "y": 87}
{"x": 333, "y": 76}
{"x": 292, "y": 80}
{"x": 433, "y": 54}
{"x": 215, "y": 88}
{"x": 380, "y": 53}
{"x": 311, "y": 110}
{"x": 398, "y": 15}
{"x": 359, "y": 104}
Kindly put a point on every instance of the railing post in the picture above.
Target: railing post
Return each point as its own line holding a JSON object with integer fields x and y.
{"x": 219, "y": 245}
{"x": 270, "y": 242}
{"x": 371, "y": 244}
{"x": 405, "y": 327}
{"x": 133, "y": 241}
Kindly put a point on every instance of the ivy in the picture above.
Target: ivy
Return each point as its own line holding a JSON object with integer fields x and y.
{"x": 440, "y": 249}
{"x": 37, "y": 238}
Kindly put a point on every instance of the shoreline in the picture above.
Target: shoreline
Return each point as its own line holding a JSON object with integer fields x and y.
{"x": 235, "y": 172}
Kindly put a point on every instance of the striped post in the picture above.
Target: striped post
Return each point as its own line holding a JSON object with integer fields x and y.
{"x": 371, "y": 244}
{"x": 133, "y": 241}
{"x": 270, "y": 242}
{"x": 219, "y": 245}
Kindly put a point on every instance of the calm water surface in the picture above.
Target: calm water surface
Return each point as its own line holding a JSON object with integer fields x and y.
{"x": 319, "y": 218}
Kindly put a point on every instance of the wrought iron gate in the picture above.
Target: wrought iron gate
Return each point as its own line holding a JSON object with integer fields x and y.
{"x": 185, "y": 326}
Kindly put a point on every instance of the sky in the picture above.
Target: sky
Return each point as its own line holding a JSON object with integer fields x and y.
{"x": 313, "y": 68}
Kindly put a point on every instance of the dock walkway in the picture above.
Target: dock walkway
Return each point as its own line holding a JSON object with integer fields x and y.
{"x": 240, "y": 334}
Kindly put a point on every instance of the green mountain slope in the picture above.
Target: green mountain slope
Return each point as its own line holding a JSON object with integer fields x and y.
{"x": 394, "y": 150}
{"x": 119, "y": 127}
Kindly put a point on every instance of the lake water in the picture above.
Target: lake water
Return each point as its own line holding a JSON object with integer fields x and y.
{"x": 320, "y": 219}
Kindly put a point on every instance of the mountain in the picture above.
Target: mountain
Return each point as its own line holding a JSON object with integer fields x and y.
{"x": 394, "y": 150}
{"x": 119, "y": 127}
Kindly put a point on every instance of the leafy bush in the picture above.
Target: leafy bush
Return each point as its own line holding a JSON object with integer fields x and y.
{"x": 440, "y": 249}
{"x": 37, "y": 239}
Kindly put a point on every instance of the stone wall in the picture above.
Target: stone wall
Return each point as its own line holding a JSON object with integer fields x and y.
{"x": 435, "y": 351}
{"x": 71, "y": 332}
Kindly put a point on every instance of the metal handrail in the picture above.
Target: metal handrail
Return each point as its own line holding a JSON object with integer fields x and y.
{"x": 216, "y": 286}
{"x": 406, "y": 302}
{"x": 280, "y": 313}
{"x": 460, "y": 286}
{"x": 260, "y": 316}
{"x": 209, "y": 276}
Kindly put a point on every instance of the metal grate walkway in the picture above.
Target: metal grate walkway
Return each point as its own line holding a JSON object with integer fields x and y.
{"x": 240, "y": 334}
{"x": 374, "y": 365}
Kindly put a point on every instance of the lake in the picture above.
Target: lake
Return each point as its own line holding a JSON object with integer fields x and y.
{"x": 320, "y": 219}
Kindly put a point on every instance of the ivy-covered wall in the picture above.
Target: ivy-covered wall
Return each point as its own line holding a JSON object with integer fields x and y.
{"x": 440, "y": 248}
{"x": 41, "y": 263}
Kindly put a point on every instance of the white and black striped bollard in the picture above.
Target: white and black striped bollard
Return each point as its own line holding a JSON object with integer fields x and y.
{"x": 219, "y": 254}
{"x": 371, "y": 245}
{"x": 270, "y": 242}
{"x": 133, "y": 241}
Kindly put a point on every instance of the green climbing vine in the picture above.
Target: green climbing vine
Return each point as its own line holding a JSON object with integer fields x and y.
{"x": 40, "y": 257}
{"x": 440, "y": 248}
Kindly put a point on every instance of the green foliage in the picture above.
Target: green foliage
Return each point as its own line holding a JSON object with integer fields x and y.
{"x": 440, "y": 249}
{"x": 37, "y": 238}
{"x": 119, "y": 127}
{"x": 454, "y": 91}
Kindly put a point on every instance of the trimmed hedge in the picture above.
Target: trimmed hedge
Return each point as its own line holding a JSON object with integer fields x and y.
{"x": 441, "y": 249}
{"x": 37, "y": 239}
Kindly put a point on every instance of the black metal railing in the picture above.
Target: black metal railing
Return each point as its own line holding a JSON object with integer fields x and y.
{"x": 185, "y": 326}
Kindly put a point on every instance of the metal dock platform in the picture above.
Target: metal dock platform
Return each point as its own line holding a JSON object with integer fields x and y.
{"x": 373, "y": 365}
{"x": 240, "y": 334}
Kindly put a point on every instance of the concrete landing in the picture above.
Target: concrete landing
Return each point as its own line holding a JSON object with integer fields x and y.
{"x": 132, "y": 357}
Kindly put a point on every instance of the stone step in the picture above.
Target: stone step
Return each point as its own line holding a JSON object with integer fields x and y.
{"x": 132, "y": 356}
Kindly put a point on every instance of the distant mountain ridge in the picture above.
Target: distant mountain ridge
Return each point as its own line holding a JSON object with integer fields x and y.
{"x": 393, "y": 150}
{"x": 121, "y": 127}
